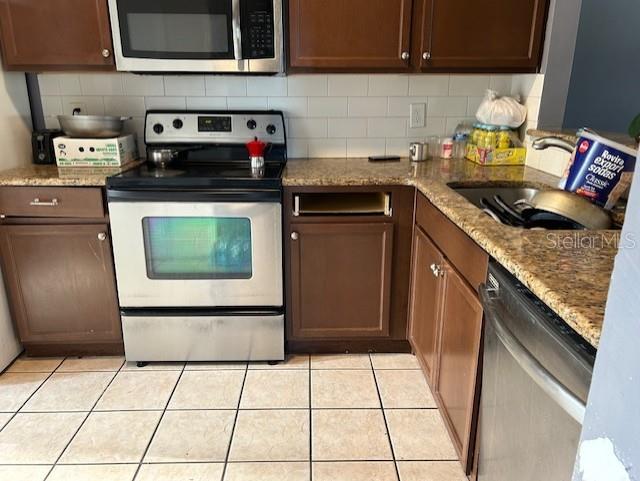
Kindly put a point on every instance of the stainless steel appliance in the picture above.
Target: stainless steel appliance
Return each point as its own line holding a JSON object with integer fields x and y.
{"x": 536, "y": 377}
{"x": 198, "y": 35}
{"x": 198, "y": 243}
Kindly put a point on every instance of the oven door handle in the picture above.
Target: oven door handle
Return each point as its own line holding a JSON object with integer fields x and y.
{"x": 568, "y": 401}
{"x": 236, "y": 25}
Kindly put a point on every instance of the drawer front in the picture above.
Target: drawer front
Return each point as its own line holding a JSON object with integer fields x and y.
{"x": 84, "y": 202}
{"x": 466, "y": 256}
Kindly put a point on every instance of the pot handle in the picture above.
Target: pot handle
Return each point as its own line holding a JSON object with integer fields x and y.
{"x": 125, "y": 118}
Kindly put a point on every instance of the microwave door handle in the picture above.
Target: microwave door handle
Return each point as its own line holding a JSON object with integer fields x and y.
{"x": 237, "y": 30}
{"x": 568, "y": 401}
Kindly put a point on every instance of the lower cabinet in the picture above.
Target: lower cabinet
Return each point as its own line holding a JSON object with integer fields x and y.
{"x": 61, "y": 287}
{"x": 460, "y": 335}
{"x": 426, "y": 292}
{"x": 340, "y": 279}
{"x": 347, "y": 262}
{"x": 445, "y": 328}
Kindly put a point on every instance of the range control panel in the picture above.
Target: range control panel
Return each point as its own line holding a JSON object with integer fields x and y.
{"x": 213, "y": 127}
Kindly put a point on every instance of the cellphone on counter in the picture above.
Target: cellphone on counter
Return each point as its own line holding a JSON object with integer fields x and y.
{"x": 384, "y": 158}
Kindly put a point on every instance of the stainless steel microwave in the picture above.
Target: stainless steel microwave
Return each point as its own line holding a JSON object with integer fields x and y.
{"x": 234, "y": 36}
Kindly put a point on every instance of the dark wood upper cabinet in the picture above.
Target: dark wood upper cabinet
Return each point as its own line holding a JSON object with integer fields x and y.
{"x": 61, "y": 283}
{"x": 426, "y": 294}
{"x": 55, "y": 35}
{"x": 340, "y": 279}
{"x": 460, "y": 336}
{"x": 481, "y": 35}
{"x": 350, "y": 35}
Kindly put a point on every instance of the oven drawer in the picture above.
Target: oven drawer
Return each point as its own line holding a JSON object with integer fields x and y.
{"x": 83, "y": 202}
{"x": 213, "y": 337}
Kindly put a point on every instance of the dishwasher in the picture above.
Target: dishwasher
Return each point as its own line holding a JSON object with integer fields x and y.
{"x": 536, "y": 377}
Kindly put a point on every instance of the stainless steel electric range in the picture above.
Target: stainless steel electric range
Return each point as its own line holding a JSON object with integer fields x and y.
{"x": 198, "y": 240}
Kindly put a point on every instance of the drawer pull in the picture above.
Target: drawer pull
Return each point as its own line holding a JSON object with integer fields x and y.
{"x": 102, "y": 236}
{"x": 43, "y": 203}
{"x": 295, "y": 236}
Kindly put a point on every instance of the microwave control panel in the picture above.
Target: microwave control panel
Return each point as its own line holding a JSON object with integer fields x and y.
{"x": 257, "y": 29}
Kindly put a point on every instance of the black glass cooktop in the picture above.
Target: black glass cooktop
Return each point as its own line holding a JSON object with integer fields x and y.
{"x": 235, "y": 175}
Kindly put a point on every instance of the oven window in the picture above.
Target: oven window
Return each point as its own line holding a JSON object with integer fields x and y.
{"x": 166, "y": 29}
{"x": 197, "y": 247}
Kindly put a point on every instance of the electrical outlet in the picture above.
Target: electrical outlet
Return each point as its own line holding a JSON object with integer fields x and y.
{"x": 417, "y": 113}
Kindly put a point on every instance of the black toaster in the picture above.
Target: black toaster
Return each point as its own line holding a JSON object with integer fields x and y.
{"x": 42, "y": 144}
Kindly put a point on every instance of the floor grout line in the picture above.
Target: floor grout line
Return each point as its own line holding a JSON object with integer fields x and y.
{"x": 153, "y": 435}
{"x": 233, "y": 428}
{"x": 115, "y": 374}
{"x": 384, "y": 417}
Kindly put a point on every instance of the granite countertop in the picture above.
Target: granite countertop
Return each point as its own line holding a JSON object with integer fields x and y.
{"x": 569, "y": 270}
{"x": 52, "y": 175}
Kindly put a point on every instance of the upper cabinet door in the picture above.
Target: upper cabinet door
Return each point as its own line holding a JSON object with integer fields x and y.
{"x": 56, "y": 35}
{"x": 481, "y": 35}
{"x": 350, "y": 34}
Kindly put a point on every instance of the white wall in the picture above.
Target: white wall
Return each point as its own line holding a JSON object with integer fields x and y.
{"x": 15, "y": 142}
{"x": 330, "y": 115}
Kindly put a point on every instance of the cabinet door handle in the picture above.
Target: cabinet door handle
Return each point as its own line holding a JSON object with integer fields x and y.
{"x": 102, "y": 236}
{"x": 404, "y": 56}
{"x": 436, "y": 270}
{"x": 295, "y": 236}
{"x": 43, "y": 203}
{"x": 106, "y": 53}
{"x": 426, "y": 56}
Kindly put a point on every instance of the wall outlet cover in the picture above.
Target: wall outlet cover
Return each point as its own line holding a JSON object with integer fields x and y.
{"x": 417, "y": 113}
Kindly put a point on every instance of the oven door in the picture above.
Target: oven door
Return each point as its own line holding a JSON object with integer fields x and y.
{"x": 166, "y": 35}
{"x": 197, "y": 254}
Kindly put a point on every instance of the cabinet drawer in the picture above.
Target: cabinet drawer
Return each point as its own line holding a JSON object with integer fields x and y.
{"x": 82, "y": 202}
{"x": 467, "y": 257}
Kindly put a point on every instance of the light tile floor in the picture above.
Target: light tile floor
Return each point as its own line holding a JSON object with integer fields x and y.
{"x": 320, "y": 418}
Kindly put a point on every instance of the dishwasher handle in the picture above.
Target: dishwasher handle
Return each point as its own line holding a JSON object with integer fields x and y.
{"x": 562, "y": 396}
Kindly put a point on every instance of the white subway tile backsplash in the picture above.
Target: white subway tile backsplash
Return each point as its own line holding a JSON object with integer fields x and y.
{"x": 307, "y": 128}
{"x": 88, "y": 105}
{"x": 350, "y": 127}
{"x": 365, "y": 147}
{"x": 434, "y": 126}
{"x": 206, "y": 103}
{"x": 290, "y": 106}
{"x": 51, "y": 123}
{"x": 326, "y": 148}
{"x": 184, "y": 85}
{"x": 384, "y": 85}
{"x": 471, "y": 85}
{"x": 143, "y": 84}
{"x": 473, "y": 104}
{"x": 332, "y": 115}
{"x": 387, "y": 127}
{"x": 501, "y": 84}
{"x": 400, "y": 146}
{"x": 171, "y": 103}
{"x": 429, "y": 85}
{"x": 248, "y": 103}
{"x": 349, "y": 85}
{"x": 452, "y": 123}
{"x": 447, "y": 106}
{"x": 327, "y": 106}
{"x": 51, "y": 105}
{"x": 101, "y": 84}
{"x": 367, "y": 106}
{"x": 225, "y": 86}
{"x": 399, "y": 106}
{"x": 307, "y": 85}
{"x": 298, "y": 148}
{"x": 122, "y": 105}
{"x": 266, "y": 86}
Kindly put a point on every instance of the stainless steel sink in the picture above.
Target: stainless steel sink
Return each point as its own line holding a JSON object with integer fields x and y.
{"x": 510, "y": 193}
